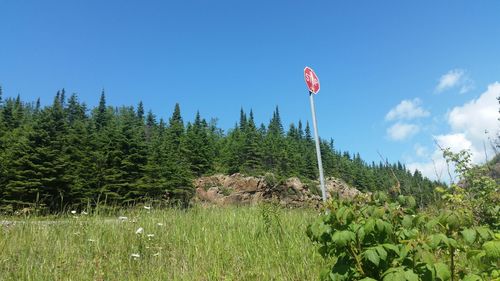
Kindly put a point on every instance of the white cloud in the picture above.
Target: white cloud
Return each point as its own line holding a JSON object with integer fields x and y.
{"x": 477, "y": 116}
{"x": 401, "y": 131}
{"x": 454, "y": 78}
{"x": 468, "y": 125}
{"x": 407, "y": 109}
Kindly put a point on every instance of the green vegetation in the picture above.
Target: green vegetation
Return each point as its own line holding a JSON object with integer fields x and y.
{"x": 115, "y": 163}
{"x": 66, "y": 156}
{"x": 249, "y": 243}
{"x": 381, "y": 238}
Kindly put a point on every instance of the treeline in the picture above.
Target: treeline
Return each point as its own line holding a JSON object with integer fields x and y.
{"x": 67, "y": 155}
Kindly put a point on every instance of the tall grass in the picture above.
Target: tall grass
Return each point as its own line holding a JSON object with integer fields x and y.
{"x": 201, "y": 243}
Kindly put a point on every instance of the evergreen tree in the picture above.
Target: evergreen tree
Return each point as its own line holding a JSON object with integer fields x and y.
{"x": 176, "y": 128}
{"x": 140, "y": 111}
{"x": 58, "y": 157}
{"x": 177, "y": 172}
{"x": 252, "y": 155}
{"x": 37, "y": 105}
{"x": 101, "y": 115}
{"x": 196, "y": 144}
{"x": 38, "y": 169}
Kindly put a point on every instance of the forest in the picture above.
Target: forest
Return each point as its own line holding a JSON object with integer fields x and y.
{"x": 67, "y": 155}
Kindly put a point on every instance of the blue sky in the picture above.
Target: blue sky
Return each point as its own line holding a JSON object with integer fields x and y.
{"x": 431, "y": 58}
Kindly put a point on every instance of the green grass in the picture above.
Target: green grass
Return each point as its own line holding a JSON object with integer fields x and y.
{"x": 202, "y": 243}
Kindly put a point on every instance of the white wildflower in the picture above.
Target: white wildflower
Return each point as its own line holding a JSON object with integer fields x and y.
{"x": 73, "y": 212}
{"x": 135, "y": 256}
{"x": 140, "y": 230}
{"x": 147, "y": 207}
{"x": 159, "y": 224}
{"x": 122, "y": 218}
{"x": 150, "y": 236}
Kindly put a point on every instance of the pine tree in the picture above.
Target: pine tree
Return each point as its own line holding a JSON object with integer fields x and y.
{"x": 62, "y": 98}
{"x": 140, "y": 111}
{"x": 75, "y": 111}
{"x": 101, "y": 115}
{"x": 274, "y": 156}
{"x": 150, "y": 125}
{"x": 79, "y": 152}
{"x": 252, "y": 155}
{"x": 133, "y": 147}
{"x": 197, "y": 147}
{"x": 177, "y": 168}
{"x": 176, "y": 128}
{"x": 243, "y": 120}
{"x": 39, "y": 168}
{"x": 37, "y": 106}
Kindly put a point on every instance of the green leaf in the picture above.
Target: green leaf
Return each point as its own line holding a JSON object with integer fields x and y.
{"x": 404, "y": 251}
{"x": 369, "y": 226}
{"x": 342, "y": 238}
{"x": 410, "y": 202}
{"x": 391, "y": 247}
{"x": 394, "y": 274}
{"x": 407, "y": 221}
{"x": 319, "y": 231}
{"x": 442, "y": 271}
{"x": 437, "y": 239}
{"x": 484, "y": 232}
{"x": 469, "y": 235}
{"x": 361, "y": 234}
{"x": 382, "y": 253}
{"x": 431, "y": 224}
{"x": 348, "y": 216}
{"x": 411, "y": 276}
{"x": 380, "y": 225}
{"x": 452, "y": 242}
{"x": 472, "y": 277}
{"x": 368, "y": 279}
{"x": 340, "y": 213}
{"x": 492, "y": 249}
{"x": 372, "y": 256}
{"x": 452, "y": 220}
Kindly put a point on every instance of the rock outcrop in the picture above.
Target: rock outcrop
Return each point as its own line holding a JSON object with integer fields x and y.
{"x": 238, "y": 189}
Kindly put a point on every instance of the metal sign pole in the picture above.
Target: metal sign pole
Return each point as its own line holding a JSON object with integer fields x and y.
{"x": 318, "y": 152}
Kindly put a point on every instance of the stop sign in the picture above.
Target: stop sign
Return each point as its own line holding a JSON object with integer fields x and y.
{"x": 312, "y": 80}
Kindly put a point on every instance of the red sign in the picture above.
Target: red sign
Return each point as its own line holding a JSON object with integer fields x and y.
{"x": 312, "y": 80}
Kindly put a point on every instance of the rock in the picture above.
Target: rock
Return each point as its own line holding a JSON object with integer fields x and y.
{"x": 243, "y": 184}
{"x": 338, "y": 186}
{"x": 237, "y": 198}
{"x": 238, "y": 189}
{"x": 295, "y": 183}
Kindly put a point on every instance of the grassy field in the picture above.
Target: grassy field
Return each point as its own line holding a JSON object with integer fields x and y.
{"x": 203, "y": 243}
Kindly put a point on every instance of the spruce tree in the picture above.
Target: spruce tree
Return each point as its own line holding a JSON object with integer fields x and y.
{"x": 101, "y": 115}
{"x": 197, "y": 148}
{"x": 252, "y": 155}
{"x": 140, "y": 111}
{"x": 177, "y": 171}
{"x": 39, "y": 167}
